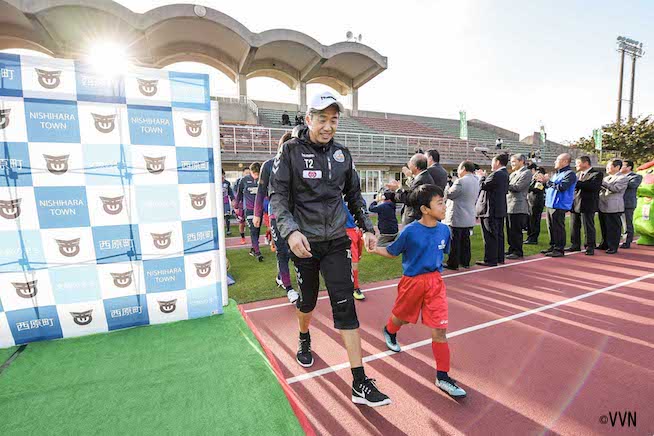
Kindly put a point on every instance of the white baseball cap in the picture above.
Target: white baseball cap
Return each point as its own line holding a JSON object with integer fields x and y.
{"x": 324, "y": 100}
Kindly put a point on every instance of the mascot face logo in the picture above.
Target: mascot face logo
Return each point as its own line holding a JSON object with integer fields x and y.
{"x": 48, "y": 79}
{"x": 82, "y": 318}
{"x": 161, "y": 240}
{"x": 203, "y": 269}
{"x": 122, "y": 280}
{"x": 198, "y": 201}
{"x": 113, "y": 206}
{"x": 155, "y": 165}
{"x": 147, "y": 87}
{"x": 4, "y": 119}
{"x": 57, "y": 165}
{"x": 167, "y": 306}
{"x": 68, "y": 248}
{"x": 104, "y": 123}
{"x": 26, "y": 289}
{"x": 193, "y": 128}
{"x": 10, "y": 209}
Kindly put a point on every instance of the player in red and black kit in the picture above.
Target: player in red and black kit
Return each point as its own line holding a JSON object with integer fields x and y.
{"x": 311, "y": 176}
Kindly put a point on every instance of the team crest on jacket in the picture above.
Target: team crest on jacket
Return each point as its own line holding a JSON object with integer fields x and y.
{"x": 339, "y": 156}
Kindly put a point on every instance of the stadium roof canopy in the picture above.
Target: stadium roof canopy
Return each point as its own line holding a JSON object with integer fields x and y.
{"x": 179, "y": 33}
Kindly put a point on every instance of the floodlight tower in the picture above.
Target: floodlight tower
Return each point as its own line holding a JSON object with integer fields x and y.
{"x": 635, "y": 50}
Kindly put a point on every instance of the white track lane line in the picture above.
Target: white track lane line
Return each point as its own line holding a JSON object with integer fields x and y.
{"x": 446, "y": 276}
{"x": 473, "y": 328}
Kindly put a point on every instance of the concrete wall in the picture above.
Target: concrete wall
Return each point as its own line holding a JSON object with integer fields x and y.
{"x": 236, "y": 113}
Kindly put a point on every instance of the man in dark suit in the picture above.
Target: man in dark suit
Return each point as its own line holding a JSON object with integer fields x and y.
{"x": 436, "y": 171}
{"x": 536, "y": 200}
{"x": 491, "y": 209}
{"x": 630, "y": 200}
{"x": 585, "y": 204}
{"x": 418, "y": 167}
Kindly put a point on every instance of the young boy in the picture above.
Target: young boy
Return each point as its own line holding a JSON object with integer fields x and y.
{"x": 421, "y": 289}
{"x": 246, "y": 194}
{"x": 384, "y": 207}
{"x": 356, "y": 249}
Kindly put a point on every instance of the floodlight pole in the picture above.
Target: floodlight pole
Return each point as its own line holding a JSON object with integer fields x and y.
{"x": 633, "y": 82}
{"x": 620, "y": 85}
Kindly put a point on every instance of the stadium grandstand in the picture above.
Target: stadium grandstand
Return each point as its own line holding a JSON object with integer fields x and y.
{"x": 380, "y": 142}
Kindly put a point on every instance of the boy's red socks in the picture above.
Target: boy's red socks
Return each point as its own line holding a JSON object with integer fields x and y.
{"x": 441, "y": 352}
{"x": 392, "y": 328}
{"x": 355, "y": 273}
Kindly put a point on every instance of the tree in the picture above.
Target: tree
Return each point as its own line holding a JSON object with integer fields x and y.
{"x": 634, "y": 139}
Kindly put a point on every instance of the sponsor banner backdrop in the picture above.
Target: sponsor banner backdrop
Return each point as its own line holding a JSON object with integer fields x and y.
{"x": 108, "y": 218}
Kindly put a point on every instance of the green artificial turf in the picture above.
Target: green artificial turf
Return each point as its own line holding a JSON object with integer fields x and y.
{"x": 202, "y": 376}
{"x": 6, "y": 353}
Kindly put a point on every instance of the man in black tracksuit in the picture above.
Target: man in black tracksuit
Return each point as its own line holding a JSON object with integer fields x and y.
{"x": 310, "y": 176}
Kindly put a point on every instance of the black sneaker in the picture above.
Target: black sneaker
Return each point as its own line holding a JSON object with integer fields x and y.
{"x": 260, "y": 257}
{"x": 367, "y": 393}
{"x": 252, "y": 253}
{"x": 304, "y": 356}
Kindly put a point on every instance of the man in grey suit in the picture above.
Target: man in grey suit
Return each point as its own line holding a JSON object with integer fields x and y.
{"x": 460, "y": 214}
{"x": 418, "y": 167}
{"x": 630, "y": 200}
{"x": 517, "y": 206}
{"x": 611, "y": 206}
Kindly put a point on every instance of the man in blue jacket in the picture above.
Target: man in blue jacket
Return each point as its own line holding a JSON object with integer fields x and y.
{"x": 559, "y": 197}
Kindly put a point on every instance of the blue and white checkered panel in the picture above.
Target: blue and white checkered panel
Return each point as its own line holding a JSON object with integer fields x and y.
{"x": 107, "y": 200}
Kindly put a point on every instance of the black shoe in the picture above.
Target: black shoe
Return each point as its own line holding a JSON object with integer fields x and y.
{"x": 514, "y": 256}
{"x": 547, "y": 250}
{"x": 590, "y": 252}
{"x": 572, "y": 249}
{"x": 252, "y": 253}
{"x": 531, "y": 242}
{"x": 466, "y": 266}
{"x": 555, "y": 254}
{"x": 304, "y": 356}
{"x": 501, "y": 262}
{"x": 602, "y": 247}
{"x": 260, "y": 257}
{"x": 451, "y": 268}
{"x": 367, "y": 393}
{"x": 611, "y": 251}
{"x": 625, "y": 245}
{"x": 482, "y": 263}
{"x": 506, "y": 253}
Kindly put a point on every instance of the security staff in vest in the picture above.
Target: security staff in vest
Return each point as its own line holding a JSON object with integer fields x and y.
{"x": 311, "y": 176}
{"x": 559, "y": 196}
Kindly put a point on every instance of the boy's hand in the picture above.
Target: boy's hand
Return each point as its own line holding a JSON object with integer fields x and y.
{"x": 256, "y": 221}
{"x": 370, "y": 241}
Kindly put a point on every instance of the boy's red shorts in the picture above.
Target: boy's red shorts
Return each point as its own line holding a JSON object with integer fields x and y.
{"x": 357, "y": 245}
{"x": 422, "y": 293}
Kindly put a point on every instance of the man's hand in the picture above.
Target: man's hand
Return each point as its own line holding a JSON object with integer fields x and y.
{"x": 256, "y": 221}
{"x": 299, "y": 245}
{"x": 407, "y": 172}
{"x": 480, "y": 173}
{"x": 393, "y": 185}
{"x": 370, "y": 241}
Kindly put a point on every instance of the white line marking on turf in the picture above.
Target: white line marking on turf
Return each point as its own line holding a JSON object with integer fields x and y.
{"x": 446, "y": 276}
{"x": 473, "y": 328}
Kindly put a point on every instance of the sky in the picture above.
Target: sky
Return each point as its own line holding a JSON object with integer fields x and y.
{"x": 508, "y": 62}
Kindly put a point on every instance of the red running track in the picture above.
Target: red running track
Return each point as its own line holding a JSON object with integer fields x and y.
{"x": 541, "y": 345}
